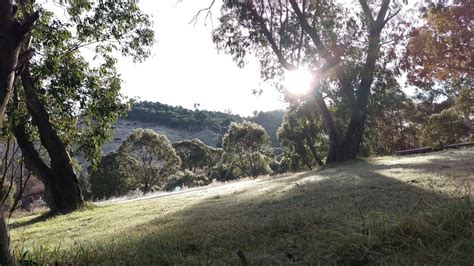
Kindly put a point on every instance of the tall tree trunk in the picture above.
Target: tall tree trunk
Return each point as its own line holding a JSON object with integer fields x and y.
{"x": 64, "y": 183}
{"x": 348, "y": 147}
{"x": 12, "y": 34}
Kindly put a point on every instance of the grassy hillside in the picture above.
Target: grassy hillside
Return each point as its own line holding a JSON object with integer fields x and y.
{"x": 390, "y": 210}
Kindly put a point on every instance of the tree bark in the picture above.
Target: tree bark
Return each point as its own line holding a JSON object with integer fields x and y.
{"x": 6, "y": 254}
{"x": 12, "y": 34}
{"x": 64, "y": 184}
{"x": 35, "y": 164}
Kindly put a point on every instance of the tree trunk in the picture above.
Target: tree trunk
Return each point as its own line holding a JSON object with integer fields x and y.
{"x": 9, "y": 51}
{"x": 64, "y": 185}
{"x": 12, "y": 34}
{"x": 36, "y": 165}
{"x": 6, "y": 254}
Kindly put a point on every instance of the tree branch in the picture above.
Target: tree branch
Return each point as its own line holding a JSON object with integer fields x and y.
{"x": 261, "y": 22}
{"x": 311, "y": 31}
{"x": 367, "y": 12}
{"x": 208, "y": 13}
{"x": 28, "y": 23}
{"x": 379, "y": 23}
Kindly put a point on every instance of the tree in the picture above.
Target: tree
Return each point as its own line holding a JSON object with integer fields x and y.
{"x": 153, "y": 155}
{"x": 440, "y": 49}
{"x": 114, "y": 176}
{"x": 194, "y": 153}
{"x": 447, "y": 127}
{"x": 465, "y": 105}
{"x": 340, "y": 50}
{"x": 393, "y": 120}
{"x": 60, "y": 89}
{"x": 13, "y": 34}
{"x": 300, "y": 135}
{"x": 247, "y": 145}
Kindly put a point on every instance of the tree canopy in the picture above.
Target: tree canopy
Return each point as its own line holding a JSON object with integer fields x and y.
{"x": 153, "y": 156}
{"x": 247, "y": 145}
{"x": 339, "y": 44}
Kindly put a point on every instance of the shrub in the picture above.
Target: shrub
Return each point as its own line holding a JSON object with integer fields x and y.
{"x": 187, "y": 179}
{"x": 112, "y": 178}
{"x": 447, "y": 127}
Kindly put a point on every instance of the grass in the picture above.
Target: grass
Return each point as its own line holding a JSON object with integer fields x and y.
{"x": 389, "y": 210}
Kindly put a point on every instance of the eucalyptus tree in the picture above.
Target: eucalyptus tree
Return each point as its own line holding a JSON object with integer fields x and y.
{"x": 247, "y": 146}
{"x": 70, "y": 101}
{"x": 153, "y": 156}
{"x": 339, "y": 44}
{"x": 301, "y": 135}
{"x": 14, "y": 33}
{"x": 194, "y": 153}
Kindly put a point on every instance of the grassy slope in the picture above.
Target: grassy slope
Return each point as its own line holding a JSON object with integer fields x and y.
{"x": 330, "y": 216}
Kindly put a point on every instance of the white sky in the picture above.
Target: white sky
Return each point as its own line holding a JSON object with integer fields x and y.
{"x": 185, "y": 67}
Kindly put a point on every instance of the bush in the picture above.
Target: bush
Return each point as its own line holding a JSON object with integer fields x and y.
{"x": 187, "y": 179}
{"x": 112, "y": 178}
{"x": 447, "y": 127}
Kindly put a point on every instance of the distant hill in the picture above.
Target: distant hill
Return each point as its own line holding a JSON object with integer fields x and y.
{"x": 179, "y": 123}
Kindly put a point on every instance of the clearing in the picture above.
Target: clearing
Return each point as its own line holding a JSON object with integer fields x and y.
{"x": 389, "y": 210}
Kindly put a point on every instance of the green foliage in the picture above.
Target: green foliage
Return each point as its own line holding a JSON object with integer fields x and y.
{"x": 195, "y": 154}
{"x": 302, "y": 137}
{"x": 154, "y": 158}
{"x": 270, "y": 121}
{"x": 247, "y": 146}
{"x": 447, "y": 127}
{"x": 74, "y": 90}
{"x": 179, "y": 117}
{"x": 186, "y": 179}
{"x": 113, "y": 177}
{"x": 393, "y": 121}
{"x": 182, "y": 118}
{"x": 465, "y": 101}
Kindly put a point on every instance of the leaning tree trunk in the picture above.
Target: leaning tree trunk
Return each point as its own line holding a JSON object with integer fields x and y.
{"x": 36, "y": 165}
{"x": 64, "y": 183}
{"x": 12, "y": 34}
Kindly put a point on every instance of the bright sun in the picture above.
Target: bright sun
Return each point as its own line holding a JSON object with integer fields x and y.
{"x": 298, "y": 81}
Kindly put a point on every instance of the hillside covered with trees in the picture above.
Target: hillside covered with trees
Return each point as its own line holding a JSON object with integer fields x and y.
{"x": 189, "y": 120}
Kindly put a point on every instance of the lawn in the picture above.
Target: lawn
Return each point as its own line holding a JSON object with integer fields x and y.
{"x": 387, "y": 210}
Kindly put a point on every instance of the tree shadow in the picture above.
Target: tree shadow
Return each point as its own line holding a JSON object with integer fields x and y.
{"x": 41, "y": 218}
{"x": 289, "y": 220}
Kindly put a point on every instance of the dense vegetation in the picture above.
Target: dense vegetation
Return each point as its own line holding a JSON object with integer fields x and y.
{"x": 191, "y": 120}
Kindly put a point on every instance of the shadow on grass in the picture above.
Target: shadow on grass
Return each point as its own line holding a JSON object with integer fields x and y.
{"x": 41, "y": 218}
{"x": 287, "y": 220}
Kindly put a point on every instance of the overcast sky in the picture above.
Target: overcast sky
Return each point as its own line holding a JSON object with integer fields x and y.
{"x": 185, "y": 67}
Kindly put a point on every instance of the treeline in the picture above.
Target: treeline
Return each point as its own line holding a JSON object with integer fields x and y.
{"x": 180, "y": 117}
{"x": 147, "y": 161}
{"x": 190, "y": 120}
